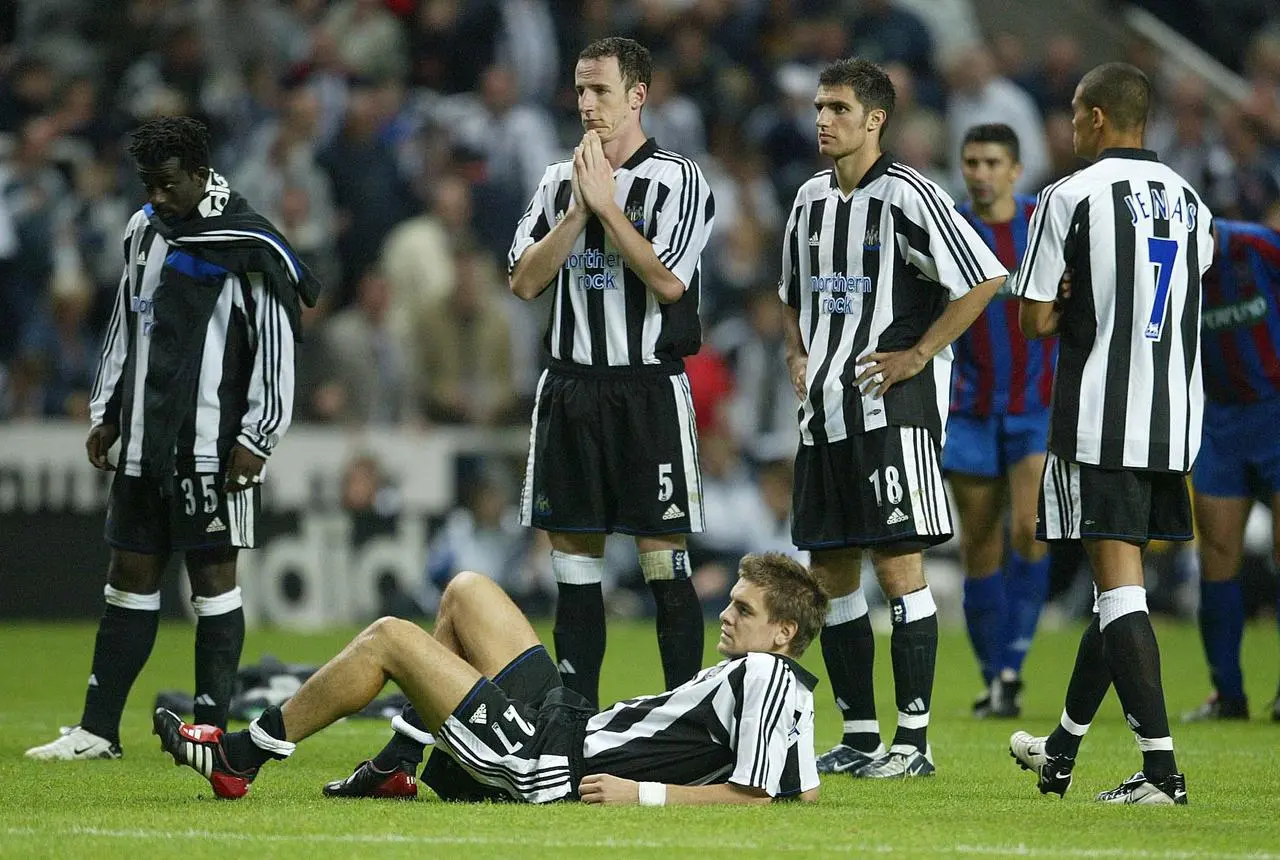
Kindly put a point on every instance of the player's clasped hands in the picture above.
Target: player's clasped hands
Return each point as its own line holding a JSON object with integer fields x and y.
{"x": 882, "y": 370}
{"x": 592, "y": 173}
{"x": 605, "y": 790}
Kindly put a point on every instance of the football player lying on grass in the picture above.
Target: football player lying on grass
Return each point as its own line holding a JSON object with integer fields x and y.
{"x": 505, "y": 727}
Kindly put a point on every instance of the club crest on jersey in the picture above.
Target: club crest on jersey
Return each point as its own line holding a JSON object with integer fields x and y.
{"x": 871, "y": 241}
{"x": 635, "y": 214}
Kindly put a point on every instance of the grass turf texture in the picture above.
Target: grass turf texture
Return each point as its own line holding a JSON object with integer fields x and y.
{"x": 980, "y": 803}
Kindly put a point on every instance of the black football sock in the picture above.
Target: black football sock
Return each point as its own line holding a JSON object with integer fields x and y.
{"x": 126, "y": 635}
{"x": 407, "y": 744}
{"x": 263, "y": 741}
{"x": 914, "y": 648}
{"x": 679, "y": 614}
{"x": 1133, "y": 656}
{"x": 849, "y": 652}
{"x": 219, "y": 640}
{"x": 579, "y": 632}
{"x": 1090, "y": 680}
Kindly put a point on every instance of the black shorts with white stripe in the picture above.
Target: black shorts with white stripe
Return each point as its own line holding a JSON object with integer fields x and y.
{"x": 879, "y": 488}
{"x": 193, "y": 512}
{"x": 530, "y": 750}
{"x": 613, "y": 451}
{"x": 1082, "y": 501}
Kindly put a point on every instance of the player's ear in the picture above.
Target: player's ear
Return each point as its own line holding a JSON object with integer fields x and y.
{"x": 785, "y": 633}
{"x": 876, "y": 118}
{"x": 639, "y": 94}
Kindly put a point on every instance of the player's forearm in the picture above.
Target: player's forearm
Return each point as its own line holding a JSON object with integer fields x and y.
{"x": 539, "y": 263}
{"x": 702, "y": 795}
{"x": 1038, "y": 319}
{"x": 792, "y": 335}
{"x": 958, "y": 316}
{"x": 641, "y": 259}
{"x": 269, "y": 397}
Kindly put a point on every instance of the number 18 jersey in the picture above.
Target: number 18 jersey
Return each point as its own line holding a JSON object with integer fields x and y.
{"x": 1135, "y": 237}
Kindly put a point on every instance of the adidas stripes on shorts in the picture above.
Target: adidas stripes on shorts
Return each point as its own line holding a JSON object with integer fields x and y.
{"x": 613, "y": 450}
{"x": 1082, "y": 501}
{"x": 522, "y": 737}
{"x": 193, "y": 511}
{"x": 879, "y": 488}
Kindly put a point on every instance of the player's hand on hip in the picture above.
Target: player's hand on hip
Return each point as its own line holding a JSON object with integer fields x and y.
{"x": 798, "y": 370}
{"x": 606, "y": 790}
{"x": 882, "y": 370}
{"x": 593, "y": 173}
{"x": 100, "y": 440}
{"x": 244, "y": 469}
{"x": 1064, "y": 286}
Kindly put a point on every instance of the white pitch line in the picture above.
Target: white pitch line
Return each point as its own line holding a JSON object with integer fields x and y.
{"x": 399, "y": 839}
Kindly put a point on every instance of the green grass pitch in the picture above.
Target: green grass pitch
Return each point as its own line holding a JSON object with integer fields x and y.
{"x": 979, "y": 804}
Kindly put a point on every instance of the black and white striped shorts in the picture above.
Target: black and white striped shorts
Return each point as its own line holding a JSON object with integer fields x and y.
{"x": 879, "y": 488}
{"x": 1080, "y": 501}
{"x": 529, "y": 750}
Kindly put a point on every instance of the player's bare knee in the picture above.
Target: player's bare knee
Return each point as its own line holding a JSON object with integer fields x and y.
{"x": 1023, "y": 537}
{"x": 133, "y": 572}
{"x": 390, "y": 634}
{"x": 839, "y": 571}
{"x": 464, "y": 590}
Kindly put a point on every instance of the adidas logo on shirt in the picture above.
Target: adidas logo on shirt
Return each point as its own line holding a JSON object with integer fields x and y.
{"x": 481, "y": 716}
{"x": 142, "y": 258}
{"x": 216, "y": 526}
{"x": 896, "y": 517}
{"x": 673, "y": 512}
{"x": 815, "y": 240}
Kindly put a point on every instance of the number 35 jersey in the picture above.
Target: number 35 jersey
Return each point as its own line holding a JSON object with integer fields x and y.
{"x": 1136, "y": 240}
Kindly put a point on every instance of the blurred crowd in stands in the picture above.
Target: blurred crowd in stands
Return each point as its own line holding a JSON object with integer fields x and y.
{"x": 396, "y": 143}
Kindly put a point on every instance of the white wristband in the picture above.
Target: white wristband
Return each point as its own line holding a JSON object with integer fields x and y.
{"x": 653, "y": 794}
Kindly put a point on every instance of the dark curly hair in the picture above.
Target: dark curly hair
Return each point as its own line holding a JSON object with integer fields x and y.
{"x": 155, "y": 142}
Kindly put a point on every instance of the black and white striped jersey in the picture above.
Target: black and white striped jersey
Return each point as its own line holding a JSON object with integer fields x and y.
{"x": 1136, "y": 238}
{"x": 604, "y": 315}
{"x": 244, "y": 391}
{"x": 870, "y": 272}
{"x": 746, "y": 721}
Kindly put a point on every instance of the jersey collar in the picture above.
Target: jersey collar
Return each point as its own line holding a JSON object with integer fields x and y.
{"x": 1128, "y": 152}
{"x": 648, "y": 148}
{"x": 803, "y": 675}
{"x": 877, "y": 169}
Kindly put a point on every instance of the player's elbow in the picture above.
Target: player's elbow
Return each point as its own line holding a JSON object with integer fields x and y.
{"x": 668, "y": 290}
{"x": 521, "y": 286}
{"x": 1034, "y": 319}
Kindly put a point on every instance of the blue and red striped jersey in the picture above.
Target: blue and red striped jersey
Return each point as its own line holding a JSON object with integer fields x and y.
{"x": 997, "y": 370}
{"x": 1240, "y": 317}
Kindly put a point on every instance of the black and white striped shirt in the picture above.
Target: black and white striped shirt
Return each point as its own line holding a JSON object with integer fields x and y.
{"x": 604, "y": 315}
{"x": 871, "y": 272}
{"x": 1136, "y": 237}
{"x": 746, "y": 721}
{"x": 246, "y": 372}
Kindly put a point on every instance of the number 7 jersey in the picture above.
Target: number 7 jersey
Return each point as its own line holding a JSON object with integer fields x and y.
{"x": 1136, "y": 239}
